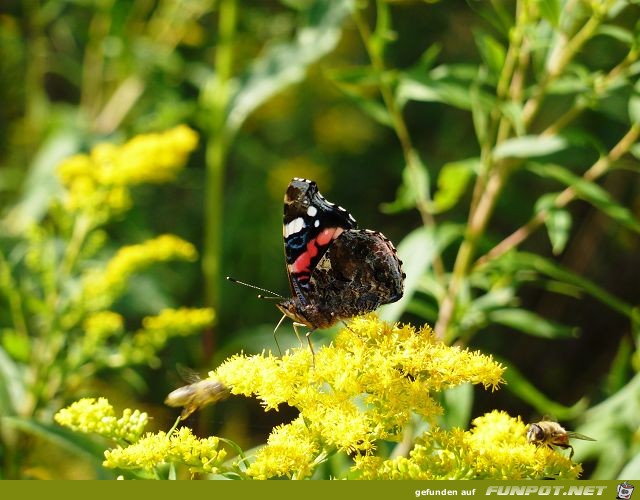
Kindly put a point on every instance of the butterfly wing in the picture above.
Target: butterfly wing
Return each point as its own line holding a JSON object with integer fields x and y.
{"x": 360, "y": 272}
{"x": 311, "y": 224}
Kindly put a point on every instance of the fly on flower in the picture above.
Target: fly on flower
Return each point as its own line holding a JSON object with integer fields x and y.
{"x": 547, "y": 432}
{"x": 335, "y": 271}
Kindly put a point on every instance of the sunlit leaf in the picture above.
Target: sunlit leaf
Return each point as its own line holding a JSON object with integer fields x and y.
{"x": 417, "y": 251}
{"x": 632, "y": 469}
{"x": 492, "y": 52}
{"x": 531, "y": 323}
{"x": 446, "y": 84}
{"x": 591, "y": 192}
{"x": 634, "y": 104}
{"x": 12, "y": 389}
{"x": 550, "y": 10}
{"x": 558, "y": 222}
{"x": 617, "y": 33}
{"x": 530, "y": 146}
{"x": 452, "y": 183}
{"x": 16, "y": 345}
{"x": 284, "y": 64}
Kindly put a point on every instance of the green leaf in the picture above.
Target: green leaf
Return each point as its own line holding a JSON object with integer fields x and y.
{"x": 452, "y": 183}
{"x": 558, "y": 228}
{"x": 529, "y": 146}
{"x": 16, "y": 345}
{"x": 635, "y": 150}
{"x": 525, "y": 390}
{"x": 457, "y": 403}
{"x": 589, "y": 191}
{"x": 531, "y": 323}
{"x": 374, "y": 109}
{"x": 550, "y": 11}
{"x": 417, "y": 251}
{"x": 447, "y": 84}
{"x": 12, "y": 389}
{"x": 558, "y": 222}
{"x": 492, "y": 52}
{"x": 513, "y": 112}
{"x": 74, "y": 442}
{"x": 285, "y": 64}
{"x": 522, "y": 261}
{"x": 617, "y": 33}
{"x": 359, "y": 76}
{"x": 619, "y": 367}
{"x": 41, "y": 183}
{"x": 634, "y": 104}
{"x": 414, "y": 187}
{"x": 479, "y": 113}
{"x": 632, "y": 469}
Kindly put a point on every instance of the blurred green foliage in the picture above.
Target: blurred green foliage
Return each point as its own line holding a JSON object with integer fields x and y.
{"x": 495, "y": 142}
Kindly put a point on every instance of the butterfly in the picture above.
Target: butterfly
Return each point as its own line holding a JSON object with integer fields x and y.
{"x": 336, "y": 271}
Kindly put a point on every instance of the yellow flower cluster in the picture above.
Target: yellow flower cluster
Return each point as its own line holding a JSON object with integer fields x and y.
{"x": 99, "y": 327}
{"x": 103, "y": 324}
{"x": 291, "y": 451}
{"x": 363, "y": 388}
{"x": 200, "y": 455}
{"x": 97, "y": 183}
{"x": 144, "y": 344}
{"x": 495, "y": 448}
{"x": 102, "y": 286}
{"x": 98, "y": 416}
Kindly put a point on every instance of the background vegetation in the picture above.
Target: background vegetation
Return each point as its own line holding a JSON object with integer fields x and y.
{"x": 495, "y": 142}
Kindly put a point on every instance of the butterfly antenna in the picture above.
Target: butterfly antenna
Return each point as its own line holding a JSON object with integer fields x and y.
{"x": 273, "y": 295}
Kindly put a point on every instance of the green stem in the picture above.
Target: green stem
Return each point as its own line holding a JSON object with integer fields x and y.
{"x": 216, "y": 153}
{"x": 484, "y": 199}
{"x": 10, "y": 288}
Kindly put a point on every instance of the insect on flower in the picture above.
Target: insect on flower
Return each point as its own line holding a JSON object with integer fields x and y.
{"x": 549, "y": 433}
{"x": 335, "y": 270}
{"x": 198, "y": 394}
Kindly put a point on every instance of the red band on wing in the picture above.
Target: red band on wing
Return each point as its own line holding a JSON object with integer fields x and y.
{"x": 302, "y": 265}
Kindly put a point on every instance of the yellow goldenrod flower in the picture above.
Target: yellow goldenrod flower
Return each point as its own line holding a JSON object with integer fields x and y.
{"x": 98, "y": 328}
{"x": 182, "y": 321}
{"x": 103, "y": 324}
{"x": 495, "y": 448}
{"x": 98, "y": 416}
{"x": 158, "y": 329}
{"x": 147, "y": 158}
{"x": 363, "y": 388}
{"x": 290, "y": 452}
{"x": 103, "y": 285}
{"x": 98, "y": 183}
{"x": 200, "y": 455}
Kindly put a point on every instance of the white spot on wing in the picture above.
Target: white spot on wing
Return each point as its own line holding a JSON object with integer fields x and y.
{"x": 312, "y": 211}
{"x": 293, "y": 227}
{"x": 316, "y": 223}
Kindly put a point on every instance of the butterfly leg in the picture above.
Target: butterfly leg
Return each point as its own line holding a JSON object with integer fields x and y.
{"x": 313, "y": 354}
{"x": 295, "y": 328}
{"x": 276, "y": 329}
{"x": 347, "y": 326}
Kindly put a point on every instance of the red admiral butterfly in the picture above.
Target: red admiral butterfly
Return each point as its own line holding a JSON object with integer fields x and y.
{"x": 335, "y": 270}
